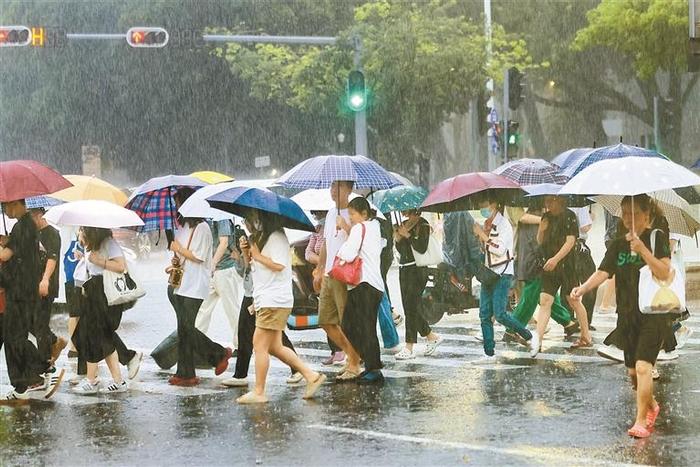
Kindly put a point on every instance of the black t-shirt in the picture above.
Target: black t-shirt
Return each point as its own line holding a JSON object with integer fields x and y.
{"x": 49, "y": 248}
{"x": 420, "y": 235}
{"x": 22, "y": 270}
{"x": 559, "y": 228}
{"x": 618, "y": 262}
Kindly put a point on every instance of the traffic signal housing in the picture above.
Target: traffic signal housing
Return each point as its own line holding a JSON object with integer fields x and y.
{"x": 515, "y": 88}
{"x": 356, "y": 93}
{"x": 147, "y": 37}
{"x": 15, "y": 36}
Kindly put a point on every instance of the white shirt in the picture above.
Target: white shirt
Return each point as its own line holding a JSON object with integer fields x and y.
{"x": 273, "y": 289}
{"x": 500, "y": 246}
{"x": 334, "y": 238}
{"x": 370, "y": 253}
{"x": 109, "y": 249}
{"x": 583, "y": 215}
{"x": 196, "y": 276}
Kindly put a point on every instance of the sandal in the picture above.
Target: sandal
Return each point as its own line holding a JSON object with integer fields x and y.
{"x": 651, "y": 416}
{"x": 638, "y": 431}
{"x": 347, "y": 376}
{"x": 581, "y": 344}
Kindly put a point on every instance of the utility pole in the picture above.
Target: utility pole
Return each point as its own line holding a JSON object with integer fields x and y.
{"x": 506, "y": 103}
{"x": 489, "y": 85}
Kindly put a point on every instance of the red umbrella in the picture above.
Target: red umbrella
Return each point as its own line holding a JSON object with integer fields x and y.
{"x": 24, "y": 179}
{"x": 465, "y": 191}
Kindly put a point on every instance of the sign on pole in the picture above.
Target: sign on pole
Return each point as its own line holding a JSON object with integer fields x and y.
{"x": 261, "y": 162}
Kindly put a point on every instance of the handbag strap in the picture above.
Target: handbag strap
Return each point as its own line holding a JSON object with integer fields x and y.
{"x": 189, "y": 242}
{"x": 363, "y": 239}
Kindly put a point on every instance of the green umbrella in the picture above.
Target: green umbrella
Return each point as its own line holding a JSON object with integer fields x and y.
{"x": 400, "y": 198}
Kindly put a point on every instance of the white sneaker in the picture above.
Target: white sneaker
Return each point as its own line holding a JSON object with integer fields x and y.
{"x": 655, "y": 373}
{"x": 114, "y": 388}
{"x": 682, "y": 336}
{"x": 86, "y": 387}
{"x": 15, "y": 398}
{"x": 235, "y": 383}
{"x": 535, "y": 344}
{"x": 405, "y": 354}
{"x": 134, "y": 365}
{"x": 76, "y": 379}
{"x": 611, "y": 352}
{"x": 666, "y": 356}
{"x": 295, "y": 378}
{"x": 52, "y": 381}
{"x": 432, "y": 346}
{"x": 393, "y": 350}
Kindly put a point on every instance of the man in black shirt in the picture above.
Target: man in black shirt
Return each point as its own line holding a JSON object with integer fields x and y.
{"x": 49, "y": 345}
{"x": 21, "y": 271}
{"x": 557, "y": 236}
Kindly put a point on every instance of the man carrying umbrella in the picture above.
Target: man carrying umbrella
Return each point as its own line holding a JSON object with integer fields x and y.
{"x": 21, "y": 273}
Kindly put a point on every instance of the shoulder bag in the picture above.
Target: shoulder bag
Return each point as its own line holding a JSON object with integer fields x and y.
{"x": 177, "y": 270}
{"x": 657, "y": 296}
{"x": 120, "y": 287}
{"x": 349, "y": 272}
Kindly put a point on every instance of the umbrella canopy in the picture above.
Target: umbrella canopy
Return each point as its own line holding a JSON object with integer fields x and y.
{"x": 535, "y": 193}
{"x": 23, "y": 179}
{"x": 677, "y": 211}
{"x": 400, "y": 198}
{"x": 36, "y": 202}
{"x": 317, "y": 199}
{"x": 566, "y": 158}
{"x": 616, "y": 151}
{"x": 236, "y": 200}
{"x": 197, "y": 205}
{"x": 630, "y": 176}
{"x": 93, "y": 213}
{"x": 463, "y": 192}
{"x": 321, "y": 171}
{"x": 90, "y": 187}
{"x": 211, "y": 177}
{"x": 403, "y": 180}
{"x": 530, "y": 172}
{"x": 689, "y": 193}
{"x": 154, "y": 203}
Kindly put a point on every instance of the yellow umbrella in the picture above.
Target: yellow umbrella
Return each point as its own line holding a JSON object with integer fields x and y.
{"x": 211, "y": 177}
{"x": 85, "y": 187}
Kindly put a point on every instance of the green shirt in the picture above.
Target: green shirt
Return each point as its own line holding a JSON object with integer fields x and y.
{"x": 224, "y": 229}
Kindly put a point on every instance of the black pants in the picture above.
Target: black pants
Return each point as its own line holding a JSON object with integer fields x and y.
{"x": 123, "y": 353}
{"x": 412, "y": 280}
{"x": 24, "y": 363}
{"x": 360, "y": 323}
{"x": 45, "y": 338}
{"x": 191, "y": 340}
{"x": 246, "y": 329}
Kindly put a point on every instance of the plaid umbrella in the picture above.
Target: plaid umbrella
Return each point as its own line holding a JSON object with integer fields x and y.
{"x": 567, "y": 157}
{"x": 41, "y": 201}
{"x": 400, "y": 198}
{"x": 530, "y": 172}
{"x": 616, "y": 151}
{"x": 321, "y": 171}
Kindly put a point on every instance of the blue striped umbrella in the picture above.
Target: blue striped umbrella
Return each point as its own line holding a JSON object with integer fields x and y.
{"x": 615, "y": 151}
{"x": 569, "y": 156}
{"x": 36, "y": 202}
{"x": 322, "y": 171}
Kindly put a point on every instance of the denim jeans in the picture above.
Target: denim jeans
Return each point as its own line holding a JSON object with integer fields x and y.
{"x": 386, "y": 323}
{"x": 493, "y": 302}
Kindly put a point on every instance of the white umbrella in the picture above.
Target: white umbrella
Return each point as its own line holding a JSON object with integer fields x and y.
{"x": 319, "y": 199}
{"x": 197, "y": 205}
{"x": 159, "y": 183}
{"x": 677, "y": 211}
{"x": 93, "y": 213}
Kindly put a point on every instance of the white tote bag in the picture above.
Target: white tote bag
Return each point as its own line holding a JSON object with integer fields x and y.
{"x": 121, "y": 288}
{"x": 657, "y": 296}
{"x": 432, "y": 256}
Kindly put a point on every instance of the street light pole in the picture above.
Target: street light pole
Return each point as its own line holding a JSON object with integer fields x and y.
{"x": 361, "y": 147}
{"x": 506, "y": 103}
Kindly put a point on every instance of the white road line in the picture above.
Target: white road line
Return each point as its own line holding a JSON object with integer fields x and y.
{"x": 533, "y": 452}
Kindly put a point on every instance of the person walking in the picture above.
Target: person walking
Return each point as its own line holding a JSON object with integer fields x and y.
{"x": 557, "y": 236}
{"x": 95, "y": 337}
{"x": 20, "y": 279}
{"x": 362, "y": 307}
{"x": 73, "y": 255}
{"x": 412, "y": 234}
{"x": 225, "y": 281}
{"x": 641, "y": 335}
{"x": 271, "y": 269}
{"x": 497, "y": 238}
{"x": 193, "y": 245}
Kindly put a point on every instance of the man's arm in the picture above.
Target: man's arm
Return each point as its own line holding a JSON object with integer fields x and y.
{"x": 220, "y": 251}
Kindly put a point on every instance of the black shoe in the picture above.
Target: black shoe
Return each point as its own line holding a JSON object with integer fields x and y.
{"x": 572, "y": 329}
{"x": 510, "y": 338}
{"x": 370, "y": 377}
{"x": 591, "y": 328}
{"x": 72, "y": 354}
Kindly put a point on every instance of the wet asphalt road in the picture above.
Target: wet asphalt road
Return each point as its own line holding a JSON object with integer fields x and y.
{"x": 564, "y": 408}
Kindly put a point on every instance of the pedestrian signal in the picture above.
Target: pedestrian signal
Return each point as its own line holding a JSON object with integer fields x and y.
{"x": 14, "y": 36}
{"x": 147, "y": 37}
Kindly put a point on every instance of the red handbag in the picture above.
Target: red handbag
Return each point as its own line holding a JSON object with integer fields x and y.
{"x": 349, "y": 272}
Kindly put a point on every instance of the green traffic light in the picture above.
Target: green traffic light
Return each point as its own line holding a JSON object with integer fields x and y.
{"x": 357, "y": 102}
{"x": 356, "y": 92}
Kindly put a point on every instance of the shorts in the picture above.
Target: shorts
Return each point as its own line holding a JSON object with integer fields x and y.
{"x": 563, "y": 277}
{"x": 73, "y": 295}
{"x": 273, "y": 319}
{"x": 332, "y": 300}
{"x": 644, "y": 339}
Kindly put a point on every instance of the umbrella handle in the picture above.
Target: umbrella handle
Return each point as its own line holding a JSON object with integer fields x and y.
{"x": 634, "y": 233}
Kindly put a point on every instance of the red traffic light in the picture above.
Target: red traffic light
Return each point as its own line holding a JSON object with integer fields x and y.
{"x": 147, "y": 37}
{"x": 14, "y": 36}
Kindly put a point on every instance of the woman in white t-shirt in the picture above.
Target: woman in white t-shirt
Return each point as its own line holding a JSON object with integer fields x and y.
{"x": 269, "y": 257}
{"x": 193, "y": 245}
{"x": 95, "y": 336}
{"x": 360, "y": 316}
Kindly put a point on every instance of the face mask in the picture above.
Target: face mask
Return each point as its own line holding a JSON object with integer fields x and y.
{"x": 486, "y": 212}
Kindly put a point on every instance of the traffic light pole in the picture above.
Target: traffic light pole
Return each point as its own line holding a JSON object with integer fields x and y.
{"x": 506, "y": 104}
{"x": 361, "y": 147}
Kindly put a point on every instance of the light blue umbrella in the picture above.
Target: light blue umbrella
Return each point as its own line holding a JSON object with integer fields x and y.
{"x": 36, "y": 202}
{"x": 322, "y": 171}
{"x": 616, "y": 151}
{"x": 400, "y": 198}
{"x": 569, "y": 156}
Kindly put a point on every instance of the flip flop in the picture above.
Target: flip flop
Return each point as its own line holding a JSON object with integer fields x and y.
{"x": 581, "y": 344}
{"x": 638, "y": 431}
{"x": 651, "y": 416}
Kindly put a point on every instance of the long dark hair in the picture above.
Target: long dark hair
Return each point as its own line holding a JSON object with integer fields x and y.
{"x": 95, "y": 236}
{"x": 270, "y": 223}
{"x": 180, "y": 197}
{"x": 361, "y": 205}
{"x": 646, "y": 204}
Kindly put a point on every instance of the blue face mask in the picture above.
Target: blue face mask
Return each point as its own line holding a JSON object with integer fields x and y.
{"x": 486, "y": 212}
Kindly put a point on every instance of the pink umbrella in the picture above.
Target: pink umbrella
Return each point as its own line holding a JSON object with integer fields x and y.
{"x": 464, "y": 192}
{"x": 24, "y": 179}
